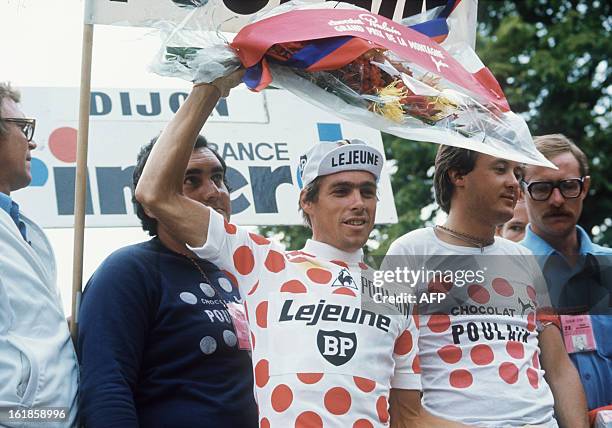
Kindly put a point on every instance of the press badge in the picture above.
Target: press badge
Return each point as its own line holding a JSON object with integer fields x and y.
{"x": 241, "y": 327}
{"x": 578, "y": 333}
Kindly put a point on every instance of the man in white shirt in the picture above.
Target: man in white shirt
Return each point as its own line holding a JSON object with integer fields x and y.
{"x": 493, "y": 342}
{"x": 38, "y": 366}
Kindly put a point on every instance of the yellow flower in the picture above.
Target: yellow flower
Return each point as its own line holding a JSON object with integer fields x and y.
{"x": 389, "y": 105}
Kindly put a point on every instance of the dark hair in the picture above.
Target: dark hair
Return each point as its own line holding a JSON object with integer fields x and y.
{"x": 150, "y": 224}
{"x": 556, "y": 144}
{"x": 311, "y": 195}
{"x": 449, "y": 159}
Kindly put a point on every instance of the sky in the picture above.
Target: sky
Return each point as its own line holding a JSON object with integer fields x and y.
{"x": 45, "y": 47}
{"x": 42, "y": 47}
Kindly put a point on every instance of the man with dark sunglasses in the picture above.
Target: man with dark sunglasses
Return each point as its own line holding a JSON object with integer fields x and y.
{"x": 27, "y": 126}
{"x": 576, "y": 269}
{"x": 38, "y": 368}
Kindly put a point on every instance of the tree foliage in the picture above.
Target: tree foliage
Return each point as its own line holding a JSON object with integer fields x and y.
{"x": 551, "y": 58}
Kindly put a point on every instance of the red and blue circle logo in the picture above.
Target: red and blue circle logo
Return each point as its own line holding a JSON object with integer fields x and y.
{"x": 63, "y": 146}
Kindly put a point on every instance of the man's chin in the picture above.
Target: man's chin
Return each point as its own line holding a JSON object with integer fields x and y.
{"x": 355, "y": 243}
{"x": 503, "y": 216}
{"x": 560, "y": 228}
{"x": 24, "y": 182}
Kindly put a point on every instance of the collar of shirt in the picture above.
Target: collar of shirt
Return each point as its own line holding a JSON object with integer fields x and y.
{"x": 556, "y": 269}
{"x": 586, "y": 245}
{"x": 540, "y": 247}
{"x": 327, "y": 252}
{"x": 11, "y": 207}
{"x": 537, "y": 245}
{"x": 5, "y": 203}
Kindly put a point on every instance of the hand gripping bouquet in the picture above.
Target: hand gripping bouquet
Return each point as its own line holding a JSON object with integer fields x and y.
{"x": 364, "y": 68}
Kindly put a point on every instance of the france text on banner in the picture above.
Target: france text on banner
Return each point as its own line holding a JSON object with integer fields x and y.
{"x": 261, "y": 136}
{"x": 234, "y": 14}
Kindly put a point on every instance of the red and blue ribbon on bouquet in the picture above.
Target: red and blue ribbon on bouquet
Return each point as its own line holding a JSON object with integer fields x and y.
{"x": 437, "y": 28}
{"x": 336, "y": 37}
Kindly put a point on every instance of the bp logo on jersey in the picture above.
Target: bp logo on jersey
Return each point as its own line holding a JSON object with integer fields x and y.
{"x": 344, "y": 279}
{"x": 336, "y": 346}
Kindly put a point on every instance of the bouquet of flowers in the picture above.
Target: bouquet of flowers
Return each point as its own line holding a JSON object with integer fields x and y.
{"x": 364, "y": 68}
{"x": 382, "y": 90}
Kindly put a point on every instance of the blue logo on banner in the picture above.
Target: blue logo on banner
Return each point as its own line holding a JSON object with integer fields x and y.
{"x": 329, "y": 131}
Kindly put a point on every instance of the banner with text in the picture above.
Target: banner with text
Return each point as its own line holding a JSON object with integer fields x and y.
{"x": 261, "y": 136}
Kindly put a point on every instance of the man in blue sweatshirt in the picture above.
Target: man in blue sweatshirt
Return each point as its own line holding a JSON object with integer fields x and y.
{"x": 163, "y": 340}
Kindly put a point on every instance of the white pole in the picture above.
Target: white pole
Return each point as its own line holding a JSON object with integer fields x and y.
{"x": 376, "y": 4}
{"x": 399, "y": 10}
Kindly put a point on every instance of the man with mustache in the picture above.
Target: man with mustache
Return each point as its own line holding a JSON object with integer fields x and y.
{"x": 490, "y": 338}
{"x": 574, "y": 267}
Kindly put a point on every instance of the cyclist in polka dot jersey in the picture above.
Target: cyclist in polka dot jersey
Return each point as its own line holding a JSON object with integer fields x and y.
{"x": 320, "y": 357}
{"x": 507, "y": 350}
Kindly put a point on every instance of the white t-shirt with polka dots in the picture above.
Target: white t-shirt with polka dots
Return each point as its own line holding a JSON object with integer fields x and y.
{"x": 480, "y": 357}
{"x": 320, "y": 358}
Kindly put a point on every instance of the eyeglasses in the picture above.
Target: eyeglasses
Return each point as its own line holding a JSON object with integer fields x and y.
{"x": 27, "y": 125}
{"x": 541, "y": 190}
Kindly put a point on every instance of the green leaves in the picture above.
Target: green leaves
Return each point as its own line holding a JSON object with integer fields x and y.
{"x": 551, "y": 58}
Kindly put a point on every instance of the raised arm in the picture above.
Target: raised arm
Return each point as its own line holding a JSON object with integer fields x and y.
{"x": 563, "y": 379}
{"x": 160, "y": 188}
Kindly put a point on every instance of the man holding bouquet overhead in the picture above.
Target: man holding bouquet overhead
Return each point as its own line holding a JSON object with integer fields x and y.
{"x": 321, "y": 357}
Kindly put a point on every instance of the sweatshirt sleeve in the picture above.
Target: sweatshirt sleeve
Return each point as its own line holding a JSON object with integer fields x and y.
{"x": 116, "y": 312}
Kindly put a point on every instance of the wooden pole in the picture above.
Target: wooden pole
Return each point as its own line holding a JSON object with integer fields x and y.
{"x": 80, "y": 188}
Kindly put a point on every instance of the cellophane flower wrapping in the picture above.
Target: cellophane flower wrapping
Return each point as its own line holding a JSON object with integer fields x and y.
{"x": 359, "y": 66}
